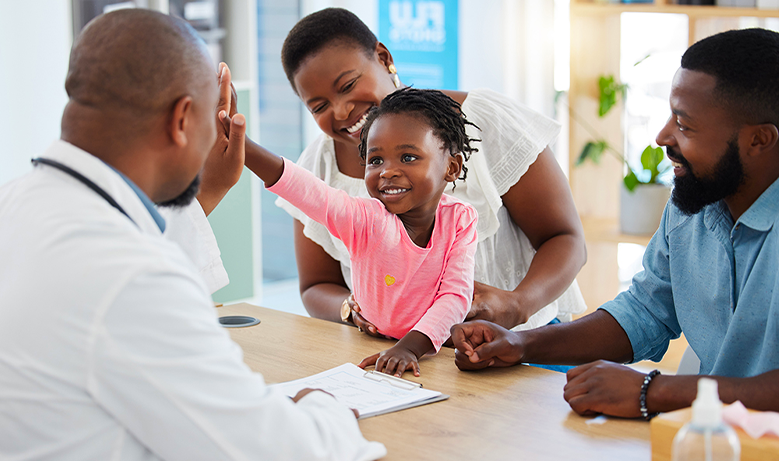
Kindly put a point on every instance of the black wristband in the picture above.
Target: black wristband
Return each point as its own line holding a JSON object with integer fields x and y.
{"x": 642, "y": 397}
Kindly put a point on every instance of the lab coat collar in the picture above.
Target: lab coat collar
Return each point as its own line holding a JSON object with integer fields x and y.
{"x": 107, "y": 178}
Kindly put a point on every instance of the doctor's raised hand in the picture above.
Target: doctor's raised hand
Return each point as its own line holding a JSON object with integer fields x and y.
{"x": 224, "y": 164}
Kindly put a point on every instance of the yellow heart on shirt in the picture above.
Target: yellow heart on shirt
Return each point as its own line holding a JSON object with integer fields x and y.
{"x": 389, "y": 280}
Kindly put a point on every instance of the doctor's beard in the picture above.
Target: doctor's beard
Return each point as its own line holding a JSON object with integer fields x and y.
{"x": 184, "y": 198}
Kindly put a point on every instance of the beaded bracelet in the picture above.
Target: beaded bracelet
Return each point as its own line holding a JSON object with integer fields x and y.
{"x": 642, "y": 397}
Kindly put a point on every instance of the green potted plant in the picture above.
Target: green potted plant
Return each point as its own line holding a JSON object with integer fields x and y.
{"x": 643, "y": 195}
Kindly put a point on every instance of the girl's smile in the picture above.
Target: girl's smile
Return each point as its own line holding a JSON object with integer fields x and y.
{"x": 406, "y": 166}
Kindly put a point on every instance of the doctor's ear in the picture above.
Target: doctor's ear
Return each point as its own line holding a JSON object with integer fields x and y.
{"x": 179, "y": 120}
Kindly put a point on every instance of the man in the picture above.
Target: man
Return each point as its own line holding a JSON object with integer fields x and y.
{"x": 109, "y": 344}
{"x": 710, "y": 271}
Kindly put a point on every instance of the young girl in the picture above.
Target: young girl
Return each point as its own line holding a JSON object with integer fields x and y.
{"x": 411, "y": 247}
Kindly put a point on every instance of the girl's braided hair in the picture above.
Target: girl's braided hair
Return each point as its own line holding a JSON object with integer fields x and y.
{"x": 442, "y": 113}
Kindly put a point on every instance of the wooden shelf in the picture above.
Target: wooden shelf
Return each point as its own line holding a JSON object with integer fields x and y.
{"x": 595, "y": 51}
{"x": 602, "y": 9}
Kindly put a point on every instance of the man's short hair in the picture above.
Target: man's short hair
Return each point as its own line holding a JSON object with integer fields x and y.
{"x": 745, "y": 64}
{"x": 155, "y": 60}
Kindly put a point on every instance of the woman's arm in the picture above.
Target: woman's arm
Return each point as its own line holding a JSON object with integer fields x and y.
{"x": 541, "y": 204}
{"x": 322, "y": 286}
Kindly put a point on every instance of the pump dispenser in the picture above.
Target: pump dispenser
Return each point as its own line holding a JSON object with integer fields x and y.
{"x": 706, "y": 437}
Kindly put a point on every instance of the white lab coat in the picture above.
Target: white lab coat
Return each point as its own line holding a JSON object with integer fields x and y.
{"x": 110, "y": 347}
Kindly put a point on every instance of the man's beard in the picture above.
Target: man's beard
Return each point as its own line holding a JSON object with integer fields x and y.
{"x": 184, "y": 198}
{"x": 691, "y": 193}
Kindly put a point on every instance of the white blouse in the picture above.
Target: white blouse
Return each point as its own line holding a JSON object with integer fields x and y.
{"x": 512, "y": 135}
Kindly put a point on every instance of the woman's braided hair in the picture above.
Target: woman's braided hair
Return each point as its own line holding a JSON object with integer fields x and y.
{"x": 442, "y": 113}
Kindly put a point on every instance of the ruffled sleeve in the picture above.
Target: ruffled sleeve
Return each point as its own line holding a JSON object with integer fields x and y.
{"x": 512, "y": 135}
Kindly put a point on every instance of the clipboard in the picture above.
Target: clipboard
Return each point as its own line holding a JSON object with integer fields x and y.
{"x": 371, "y": 393}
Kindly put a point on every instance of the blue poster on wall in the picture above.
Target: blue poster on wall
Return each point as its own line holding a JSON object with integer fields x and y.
{"x": 422, "y": 37}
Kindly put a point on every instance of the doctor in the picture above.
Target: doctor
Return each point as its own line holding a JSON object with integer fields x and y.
{"x": 109, "y": 344}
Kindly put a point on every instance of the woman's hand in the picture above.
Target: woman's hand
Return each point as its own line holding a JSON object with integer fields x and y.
{"x": 497, "y": 306}
{"x": 359, "y": 321}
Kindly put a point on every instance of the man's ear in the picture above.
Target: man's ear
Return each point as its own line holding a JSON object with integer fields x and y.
{"x": 762, "y": 138}
{"x": 455, "y": 168}
{"x": 179, "y": 120}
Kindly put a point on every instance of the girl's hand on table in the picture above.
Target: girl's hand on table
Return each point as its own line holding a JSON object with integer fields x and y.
{"x": 404, "y": 355}
{"x": 393, "y": 361}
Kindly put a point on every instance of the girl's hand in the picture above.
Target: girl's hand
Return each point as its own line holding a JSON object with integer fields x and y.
{"x": 496, "y": 306}
{"x": 359, "y": 321}
{"x": 224, "y": 164}
{"x": 393, "y": 361}
{"x": 402, "y": 356}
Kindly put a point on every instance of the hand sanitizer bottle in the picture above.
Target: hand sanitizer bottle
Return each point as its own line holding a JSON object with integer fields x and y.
{"x": 706, "y": 437}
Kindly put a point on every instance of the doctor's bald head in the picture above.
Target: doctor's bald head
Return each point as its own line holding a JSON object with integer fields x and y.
{"x": 142, "y": 97}
{"x": 136, "y": 62}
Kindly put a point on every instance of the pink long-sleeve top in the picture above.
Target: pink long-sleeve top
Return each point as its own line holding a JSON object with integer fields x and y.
{"x": 399, "y": 286}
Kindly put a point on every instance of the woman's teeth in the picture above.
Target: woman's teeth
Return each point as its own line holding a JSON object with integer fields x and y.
{"x": 354, "y": 128}
{"x": 393, "y": 191}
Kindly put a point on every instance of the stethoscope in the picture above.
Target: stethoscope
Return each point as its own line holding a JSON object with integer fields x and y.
{"x": 83, "y": 179}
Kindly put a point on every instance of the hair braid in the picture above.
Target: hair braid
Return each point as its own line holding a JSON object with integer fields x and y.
{"x": 442, "y": 113}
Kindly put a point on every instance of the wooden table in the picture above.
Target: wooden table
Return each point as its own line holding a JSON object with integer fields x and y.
{"x": 511, "y": 413}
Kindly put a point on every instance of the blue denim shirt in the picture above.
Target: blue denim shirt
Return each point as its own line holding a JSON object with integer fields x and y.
{"x": 714, "y": 280}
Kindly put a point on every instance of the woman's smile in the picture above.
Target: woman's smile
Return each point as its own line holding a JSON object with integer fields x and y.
{"x": 355, "y": 129}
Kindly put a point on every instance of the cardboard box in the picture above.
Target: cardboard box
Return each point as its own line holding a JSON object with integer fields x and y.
{"x": 665, "y": 426}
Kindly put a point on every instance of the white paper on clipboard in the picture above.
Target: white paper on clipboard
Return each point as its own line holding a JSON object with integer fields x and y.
{"x": 370, "y": 393}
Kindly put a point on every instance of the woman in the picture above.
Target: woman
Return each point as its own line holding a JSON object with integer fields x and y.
{"x": 531, "y": 243}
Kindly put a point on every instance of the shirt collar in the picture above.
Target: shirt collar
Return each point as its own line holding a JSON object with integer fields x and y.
{"x": 717, "y": 213}
{"x": 762, "y": 214}
{"x": 150, "y": 206}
